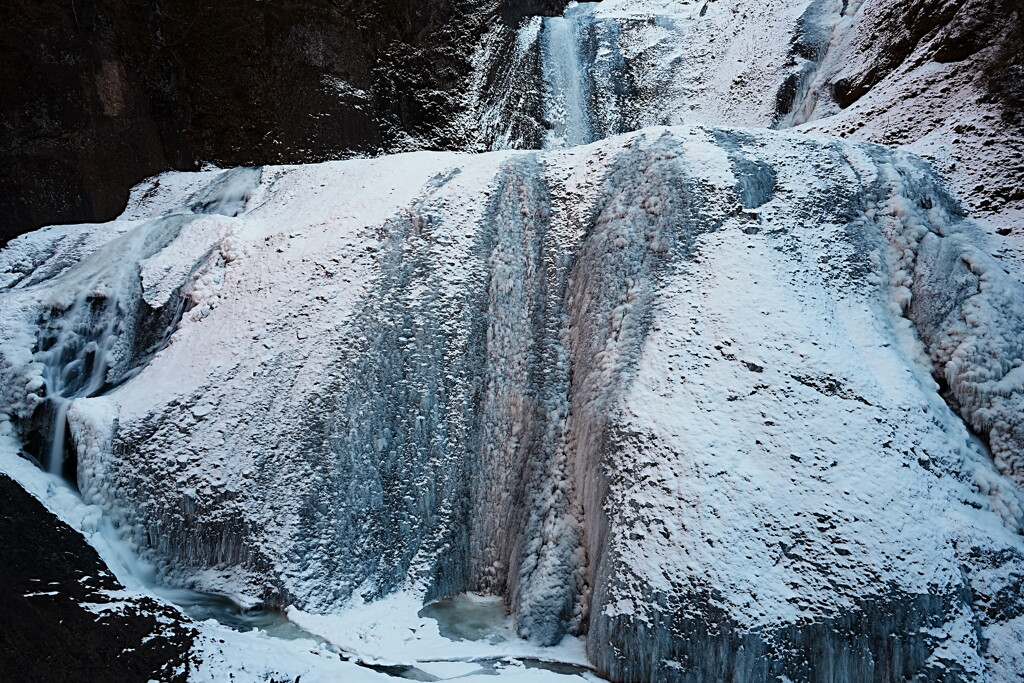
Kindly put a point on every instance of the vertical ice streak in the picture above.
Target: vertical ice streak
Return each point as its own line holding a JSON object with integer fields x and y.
{"x": 527, "y": 534}
{"x": 75, "y": 358}
{"x": 83, "y": 340}
{"x": 566, "y": 82}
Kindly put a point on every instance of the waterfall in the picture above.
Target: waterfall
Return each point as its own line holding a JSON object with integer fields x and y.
{"x": 97, "y": 329}
{"x": 557, "y": 82}
{"x": 672, "y": 392}
{"x": 75, "y": 360}
{"x": 565, "y": 73}
{"x": 82, "y": 345}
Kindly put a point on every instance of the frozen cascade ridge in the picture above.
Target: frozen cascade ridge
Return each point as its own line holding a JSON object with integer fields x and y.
{"x": 728, "y": 405}
{"x": 606, "y": 68}
{"x": 565, "y": 74}
{"x": 690, "y": 403}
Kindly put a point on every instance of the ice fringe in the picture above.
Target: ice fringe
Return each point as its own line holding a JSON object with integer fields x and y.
{"x": 967, "y": 312}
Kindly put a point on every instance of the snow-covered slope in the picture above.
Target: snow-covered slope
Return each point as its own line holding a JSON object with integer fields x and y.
{"x": 942, "y": 78}
{"x": 633, "y": 64}
{"x": 675, "y": 391}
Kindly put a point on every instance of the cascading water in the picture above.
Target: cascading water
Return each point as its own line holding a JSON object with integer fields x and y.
{"x": 75, "y": 361}
{"x": 567, "y": 89}
{"x": 98, "y": 330}
{"x": 562, "y": 81}
{"x": 82, "y": 345}
{"x": 99, "y": 327}
{"x": 538, "y": 392}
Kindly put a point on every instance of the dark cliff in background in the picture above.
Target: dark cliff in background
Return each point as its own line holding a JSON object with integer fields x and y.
{"x": 97, "y": 95}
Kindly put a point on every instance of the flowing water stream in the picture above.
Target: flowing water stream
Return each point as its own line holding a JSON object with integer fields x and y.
{"x": 82, "y": 344}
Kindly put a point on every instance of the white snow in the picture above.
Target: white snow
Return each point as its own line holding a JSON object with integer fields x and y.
{"x": 254, "y": 656}
{"x": 726, "y": 62}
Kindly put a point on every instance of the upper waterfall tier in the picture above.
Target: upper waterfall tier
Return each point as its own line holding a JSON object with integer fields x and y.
{"x": 675, "y": 390}
{"x": 566, "y": 77}
{"x": 933, "y": 82}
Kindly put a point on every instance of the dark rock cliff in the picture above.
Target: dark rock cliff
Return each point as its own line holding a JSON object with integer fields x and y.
{"x": 50, "y": 577}
{"x": 99, "y": 95}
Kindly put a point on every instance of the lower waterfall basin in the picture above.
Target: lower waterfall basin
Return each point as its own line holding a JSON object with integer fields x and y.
{"x": 470, "y": 617}
{"x": 466, "y": 636}
{"x": 369, "y": 643}
{"x": 483, "y": 618}
{"x": 222, "y": 609}
{"x": 488, "y": 645}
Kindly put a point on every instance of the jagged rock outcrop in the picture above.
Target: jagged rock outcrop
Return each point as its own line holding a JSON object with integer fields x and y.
{"x": 675, "y": 391}
{"x": 65, "y": 617}
{"x": 943, "y": 78}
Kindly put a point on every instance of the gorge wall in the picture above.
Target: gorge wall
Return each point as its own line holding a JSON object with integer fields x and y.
{"x": 725, "y": 403}
{"x": 99, "y": 95}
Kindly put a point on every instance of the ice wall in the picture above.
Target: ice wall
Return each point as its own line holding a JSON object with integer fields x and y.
{"x": 782, "y": 400}
{"x": 567, "y": 87}
{"x": 675, "y": 391}
{"x": 605, "y": 68}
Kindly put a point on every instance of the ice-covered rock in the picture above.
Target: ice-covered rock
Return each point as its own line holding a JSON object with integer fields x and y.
{"x": 941, "y": 78}
{"x": 610, "y": 67}
{"x": 680, "y": 391}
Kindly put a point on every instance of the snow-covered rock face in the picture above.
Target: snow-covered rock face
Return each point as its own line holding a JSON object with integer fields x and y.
{"x": 940, "y": 78}
{"x": 674, "y": 390}
{"x": 615, "y": 66}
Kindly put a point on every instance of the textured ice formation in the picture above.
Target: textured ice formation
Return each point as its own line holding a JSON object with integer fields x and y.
{"x": 894, "y": 72}
{"x": 605, "y": 68}
{"x": 935, "y": 79}
{"x": 681, "y": 391}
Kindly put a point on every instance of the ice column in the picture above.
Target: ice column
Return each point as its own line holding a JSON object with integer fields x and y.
{"x": 566, "y": 82}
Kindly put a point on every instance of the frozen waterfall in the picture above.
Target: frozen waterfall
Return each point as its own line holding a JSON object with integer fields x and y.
{"x": 723, "y": 404}
{"x": 566, "y": 77}
{"x": 586, "y": 381}
{"x": 83, "y": 348}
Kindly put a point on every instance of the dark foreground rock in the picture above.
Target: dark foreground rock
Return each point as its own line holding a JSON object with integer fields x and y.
{"x": 64, "y": 618}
